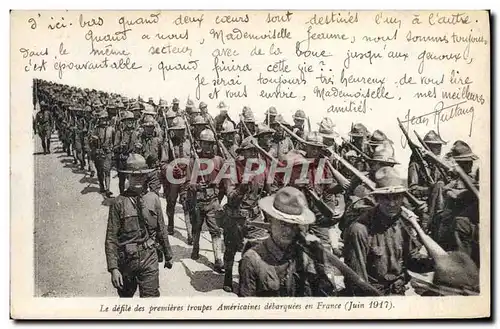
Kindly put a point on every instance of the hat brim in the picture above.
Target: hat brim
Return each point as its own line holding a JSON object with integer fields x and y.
{"x": 319, "y": 145}
{"x": 266, "y": 204}
{"x": 330, "y": 135}
{"x": 389, "y": 190}
{"x": 380, "y": 142}
{"x": 137, "y": 172}
{"x": 176, "y": 128}
{"x": 148, "y": 112}
{"x": 356, "y": 135}
{"x": 441, "y": 142}
{"x": 466, "y": 157}
{"x": 423, "y": 281}
{"x": 385, "y": 162}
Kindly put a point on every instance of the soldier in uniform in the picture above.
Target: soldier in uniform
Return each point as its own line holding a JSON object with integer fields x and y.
{"x": 242, "y": 208}
{"x": 203, "y": 108}
{"x": 102, "y": 142}
{"x": 271, "y": 114}
{"x": 377, "y": 245}
{"x": 150, "y": 147}
{"x": 327, "y": 130}
{"x": 264, "y": 136}
{"x": 205, "y": 189}
{"x": 228, "y": 138}
{"x": 125, "y": 141}
{"x": 298, "y": 119}
{"x": 358, "y": 135}
{"x": 199, "y": 124}
{"x": 281, "y": 143}
{"x": 458, "y": 223}
{"x": 248, "y": 120}
{"x": 44, "y": 125}
{"x": 417, "y": 183}
{"x": 278, "y": 266}
{"x": 378, "y": 137}
{"x": 319, "y": 183}
{"x": 135, "y": 230}
{"x": 173, "y": 189}
{"x": 175, "y": 105}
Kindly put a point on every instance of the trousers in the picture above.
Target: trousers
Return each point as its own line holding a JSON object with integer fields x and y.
{"x": 140, "y": 269}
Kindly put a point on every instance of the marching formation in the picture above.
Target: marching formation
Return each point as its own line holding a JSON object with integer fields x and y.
{"x": 301, "y": 205}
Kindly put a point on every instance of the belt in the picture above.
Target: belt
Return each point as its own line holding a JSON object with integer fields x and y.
{"x": 247, "y": 213}
{"x": 148, "y": 244}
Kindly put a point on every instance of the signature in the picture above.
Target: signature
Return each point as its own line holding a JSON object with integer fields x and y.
{"x": 439, "y": 115}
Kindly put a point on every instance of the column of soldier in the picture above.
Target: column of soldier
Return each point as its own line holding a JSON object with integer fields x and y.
{"x": 296, "y": 235}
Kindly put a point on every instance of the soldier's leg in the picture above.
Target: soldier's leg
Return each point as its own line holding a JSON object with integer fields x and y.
{"x": 44, "y": 146}
{"x": 107, "y": 174}
{"x": 171, "y": 193}
{"x": 129, "y": 281}
{"x": 197, "y": 222}
{"x": 48, "y": 142}
{"x": 121, "y": 181}
{"x": 100, "y": 174}
{"x": 148, "y": 274}
{"x": 91, "y": 165}
{"x": 187, "y": 207}
{"x": 233, "y": 236}
{"x": 216, "y": 235}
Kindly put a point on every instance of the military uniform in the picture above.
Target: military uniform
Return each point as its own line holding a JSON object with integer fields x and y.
{"x": 240, "y": 211}
{"x": 102, "y": 145}
{"x": 44, "y": 124}
{"x": 379, "y": 248}
{"x": 271, "y": 270}
{"x": 125, "y": 141}
{"x": 135, "y": 229}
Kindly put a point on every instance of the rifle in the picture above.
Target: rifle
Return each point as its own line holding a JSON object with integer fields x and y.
{"x": 418, "y": 154}
{"x": 222, "y": 148}
{"x": 309, "y": 124}
{"x": 356, "y": 149}
{"x": 169, "y": 141}
{"x": 193, "y": 147}
{"x": 441, "y": 171}
{"x": 244, "y": 125}
{"x": 456, "y": 169}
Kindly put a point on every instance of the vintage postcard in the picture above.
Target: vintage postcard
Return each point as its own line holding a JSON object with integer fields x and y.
{"x": 201, "y": 164}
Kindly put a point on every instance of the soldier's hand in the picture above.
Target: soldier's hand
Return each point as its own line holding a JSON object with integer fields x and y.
{"x": 168, "y": 264}
{"x": 117, "y": 279}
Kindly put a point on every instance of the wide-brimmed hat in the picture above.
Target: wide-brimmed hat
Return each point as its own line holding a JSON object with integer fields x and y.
{"x": 207, "y": 135}
{"x": 163, "y": 104}
{"x": 248, "y": 116}
{"x": 175, "y": 101}
{"x": 384, "y": 153}
{"x": 326, "y": 129}
{"x": 461, "y": 151}
{"x": 136, "y": 164}
{"x": 199, "y": 120}
{"x": 388, "y": 181}
{"x": 103, "y": 115}
{"x": 264, "y": 130}
{"x": 378, "y": 137}
{"x": 272, "y": 111}
{"x": 170, "y": 114}
{"x": 148, "y": 122}
{"x": 293, "y": 158}
{"x": 433, "y": 137}
{"x": 177, "y": 124}
{"x": 299, "y": 115}
{"x": 222, "y": 107}
{"x": 288, "y": 205}
{"x": 227, "y": 127}
{"x": 127, "y": 115}
{"x": 358, "y": 130}
{"x": 202, "y": 105}
{"x": 455, "y": 274}
{"x": 189, "y": 104}
{"x": 246, "y": 144}
{"x": 135, "y": 107}
{"x": 313, "y": 138}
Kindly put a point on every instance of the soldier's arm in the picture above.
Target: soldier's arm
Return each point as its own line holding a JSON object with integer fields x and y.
{"x": 111, "y": 243}
{"x": 248, "y": 277}
{"x": 356, "y": 249}
{"x": 413, "y": 180}
{"x": 162, "y": 232}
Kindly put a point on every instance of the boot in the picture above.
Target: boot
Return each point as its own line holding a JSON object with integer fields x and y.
{"x": 228, "y": 277}
{"x": 106, "y": 182}
{"x": 189, "y": 229}
{"x": 217, "y": 247}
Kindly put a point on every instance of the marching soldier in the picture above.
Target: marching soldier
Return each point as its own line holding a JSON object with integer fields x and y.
{"x": 150, "y": 147}
{"x": 299, "y": 119}
{"x": 281, "y": 142}
{"x": 43, "y": 126}
{"x": 205, "y": 189}
{"x": 327, "y": 131}
{"x": 199, "y": 124}
{"x": 264, "y": 136}
{"x": 135, "y": 230}
{"x": 358, "y": 135}
{"x": 102, "y": 142}
{"x": 228, "y": 138}
{"x": 377, "y": 246}
{"x": 242, "y": 208}
{"x": 458, "y": 224}
{"x": 203, "y": 108}
{"x": 175, "y": 105}
{"x": 271, "y": 114}
{"x": 278, "y": 266}
{"x": 175, "y": 171}
{"x": 124, "y": 145}
{"x": 247, "y": 119}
